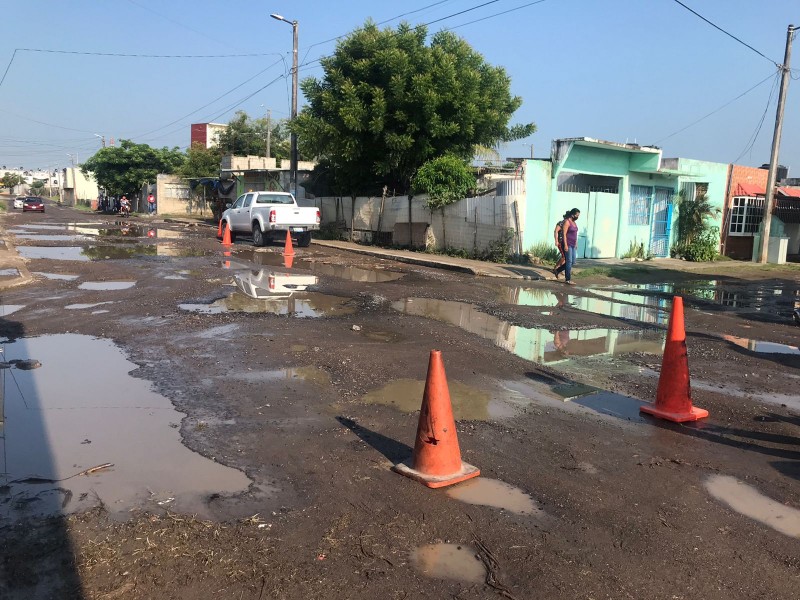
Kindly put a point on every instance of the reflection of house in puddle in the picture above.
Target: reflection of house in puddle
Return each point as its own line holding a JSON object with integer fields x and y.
{"x": 534, "y": 344}
{"x": 619, "y": 304}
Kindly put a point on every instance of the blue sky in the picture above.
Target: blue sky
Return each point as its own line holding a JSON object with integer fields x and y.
{"x": 620, "y": 70}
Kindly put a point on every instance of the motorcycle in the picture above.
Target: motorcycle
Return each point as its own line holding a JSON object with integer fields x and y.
{"x": 124, "y": 210}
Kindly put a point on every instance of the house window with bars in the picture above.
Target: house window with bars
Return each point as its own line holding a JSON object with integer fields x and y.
{"x": 746, "y": 215}
{"x": 641, "y": 200}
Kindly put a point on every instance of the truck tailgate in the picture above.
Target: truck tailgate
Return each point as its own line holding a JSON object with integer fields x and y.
{"x": 291, "y": 216}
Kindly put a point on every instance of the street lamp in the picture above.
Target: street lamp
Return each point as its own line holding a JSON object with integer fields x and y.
{"x": 293, "y": 157}
{"x": 102, "y": 138}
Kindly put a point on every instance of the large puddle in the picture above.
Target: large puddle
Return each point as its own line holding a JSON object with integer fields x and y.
{"x": 535, "y": 344}
{"x": 761, "y": 347}
{"x": 496, "y": 494}
{"x": 449, "y": 561}
{"x": 780, "y": 298}
{"x": 469, "y": 403}
{"x": 619, "y": 304}
{"x": 252, "y": 260}
{"x": 307, "y": 305}
{"x": 106, "y": 285}
{"x": 75, "y": 435}
{"x": 751, "y": 503}
{"x": 53, "y": 253}
{"x": 57, "y": 276}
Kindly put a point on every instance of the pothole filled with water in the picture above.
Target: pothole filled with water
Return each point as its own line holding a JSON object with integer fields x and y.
{"x": 496, "y": 494}
{"x": 469, "y": 403}
{"x": 10, "y": 309}
{"x": 9, "y": 272}
{"x": 106, "y": 285}
{"x": 535, "y": 344}
{"x": 307, "y": 305}
{"x": 75, "y": 436}
{"x": 53, "y": 253}
{"x": 751, "y": 503}
{"x": 761, "y": 347}
{"x": 57, "y": 276}
{"x": 84, "y": 306}
{"x": 449, "y": 561}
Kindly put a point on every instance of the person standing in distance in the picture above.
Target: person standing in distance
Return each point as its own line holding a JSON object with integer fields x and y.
{"x": 570, "y": 232}
{"x": 558, "y": 237}
{"x": 151, "y": 203}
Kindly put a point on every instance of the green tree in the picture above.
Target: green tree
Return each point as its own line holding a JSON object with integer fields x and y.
{"x": 11, "y": 180}
{"x": 37, "y": 186}
{"x": 446, "y": 179}
{"x": 245, "y": 136}
{"x": 391, "y": 102}
{"x": 200, "y": 162}
{"x": 696, "y": 239}
{"x": 125, "y": 168}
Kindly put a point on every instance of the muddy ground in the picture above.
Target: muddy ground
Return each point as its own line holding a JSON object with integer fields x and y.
{"x": 312, "y": 393}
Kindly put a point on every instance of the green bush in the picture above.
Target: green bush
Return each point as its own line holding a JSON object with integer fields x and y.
{"x": 703, "y": 247}
{"x": 636, "y": 250}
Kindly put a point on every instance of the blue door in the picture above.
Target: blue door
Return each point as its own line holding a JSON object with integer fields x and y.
{"x": 662, "y": 222}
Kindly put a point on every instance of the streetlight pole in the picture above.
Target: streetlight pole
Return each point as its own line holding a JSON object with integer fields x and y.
{"x": 102, "y": 138}
{"x": 293, "y": 138}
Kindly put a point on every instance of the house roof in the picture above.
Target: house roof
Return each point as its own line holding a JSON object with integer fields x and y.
{"x": 595, "y": 143}
{"x": 753, "y": 189}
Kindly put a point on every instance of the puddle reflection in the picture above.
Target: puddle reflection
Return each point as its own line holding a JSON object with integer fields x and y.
{"x": 761, "y": 347}
{"x": 69, "y": 416}
{"x": 534, "y": 344}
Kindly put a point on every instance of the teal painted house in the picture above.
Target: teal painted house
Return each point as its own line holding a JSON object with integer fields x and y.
{"x": 626, "y": 194}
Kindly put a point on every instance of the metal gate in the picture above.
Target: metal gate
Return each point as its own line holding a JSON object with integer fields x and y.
{"x": 662, "y": 222}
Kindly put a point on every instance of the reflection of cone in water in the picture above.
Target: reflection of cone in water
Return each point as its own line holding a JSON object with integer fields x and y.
{"x": 673, "y": 398}
{"x": 227, "y": 255}
{"x": 226, "y": 238}
{"x": 288, "y": 259}
{"x": 288, "y": 250}
{"x": 219, "y": 229}
{"x": 436, "y": 459}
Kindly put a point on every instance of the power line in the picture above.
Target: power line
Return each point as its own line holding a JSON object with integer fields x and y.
{"x": 730, "y": 35}
{"x": 505, "y": 12}
{"x": 124, "y": 55}
{"x": 715, "y": 111}
{"x": 752, "y": 140}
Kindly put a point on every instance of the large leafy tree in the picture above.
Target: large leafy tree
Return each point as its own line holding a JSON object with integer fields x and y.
{"x": 125, "y": 168}
{"x": 389, "y": 101}
{"x": 246, "y": 136}
{"x": 200, "y": 162}
{"x": 11, "y": 180}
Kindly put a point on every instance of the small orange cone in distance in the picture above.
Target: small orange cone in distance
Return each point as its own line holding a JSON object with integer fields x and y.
{"x": 674, "y": 398}
{"x": 288, "y": 250}
{"x": 219, "y": 229}
{"x": 226, "y": 238}
{"x": 436, "y": 460}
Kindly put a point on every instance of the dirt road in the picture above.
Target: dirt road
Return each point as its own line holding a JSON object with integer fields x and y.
{"x": 179, "y": 422}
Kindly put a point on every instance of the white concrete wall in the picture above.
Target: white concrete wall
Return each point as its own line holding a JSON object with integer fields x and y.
{"x": 471, "y": 224}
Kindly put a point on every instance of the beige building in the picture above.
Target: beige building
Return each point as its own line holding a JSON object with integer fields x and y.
{"x": 77, "y": 187}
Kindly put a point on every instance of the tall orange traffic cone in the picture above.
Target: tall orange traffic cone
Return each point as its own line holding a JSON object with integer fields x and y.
{"x": 436, "y": 460}
{"x": 674, "y": 398}
{"x": 219, "y": 229}
{"x": 226, "y": 238}
{"x": 288, "y": 250}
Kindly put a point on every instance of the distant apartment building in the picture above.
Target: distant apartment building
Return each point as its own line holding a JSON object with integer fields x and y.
{"x": 206, "y": 134}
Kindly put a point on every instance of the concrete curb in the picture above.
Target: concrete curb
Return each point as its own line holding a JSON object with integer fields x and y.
{"x": 445, "y": 263}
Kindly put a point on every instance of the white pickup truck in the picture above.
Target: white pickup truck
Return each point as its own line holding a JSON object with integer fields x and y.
{"x": 268, "y": 216}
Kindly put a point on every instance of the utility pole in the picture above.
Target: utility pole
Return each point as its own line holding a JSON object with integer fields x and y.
{"x": 269, "y": 132}
{"x": 769, "y": 200}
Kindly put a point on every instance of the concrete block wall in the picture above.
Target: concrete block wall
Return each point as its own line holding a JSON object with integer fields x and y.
{"x": 471, "y": 224}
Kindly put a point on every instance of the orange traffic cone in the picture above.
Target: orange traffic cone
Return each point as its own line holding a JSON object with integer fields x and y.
{"x": 436, "y": 460}
{"x": 673, "y": 398}
{"x": 226, "y": 238}
{"x": 219, "y": 229}
{"x": 287, "y": 249}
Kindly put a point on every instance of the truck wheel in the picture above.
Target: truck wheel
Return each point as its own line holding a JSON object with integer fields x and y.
{"x": 304, "y": 240}
{"x": 259, "y": 239}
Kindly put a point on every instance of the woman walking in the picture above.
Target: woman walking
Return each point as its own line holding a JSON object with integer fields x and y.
{"x": 570, "y": 232}
{"x": 558, "y": 237}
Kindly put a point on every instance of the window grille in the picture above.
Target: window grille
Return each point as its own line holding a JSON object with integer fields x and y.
{"x": 641, "y": 200}
{"x": 746, "y": 215}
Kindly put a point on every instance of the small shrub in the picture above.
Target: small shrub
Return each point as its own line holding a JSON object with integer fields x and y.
{"x": 544, "y": 253}
{"x": 330, "y": 231}
{"x": 499, "y": 251}
{"x": 636, "y": 250}
{"x": 703, "y": 248}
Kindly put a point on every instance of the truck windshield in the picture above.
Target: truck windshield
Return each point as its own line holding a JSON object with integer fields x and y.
{"x": 274, "y": 199}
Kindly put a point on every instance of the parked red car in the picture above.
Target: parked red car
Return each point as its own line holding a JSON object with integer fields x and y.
{"x": 33, "y": 204}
